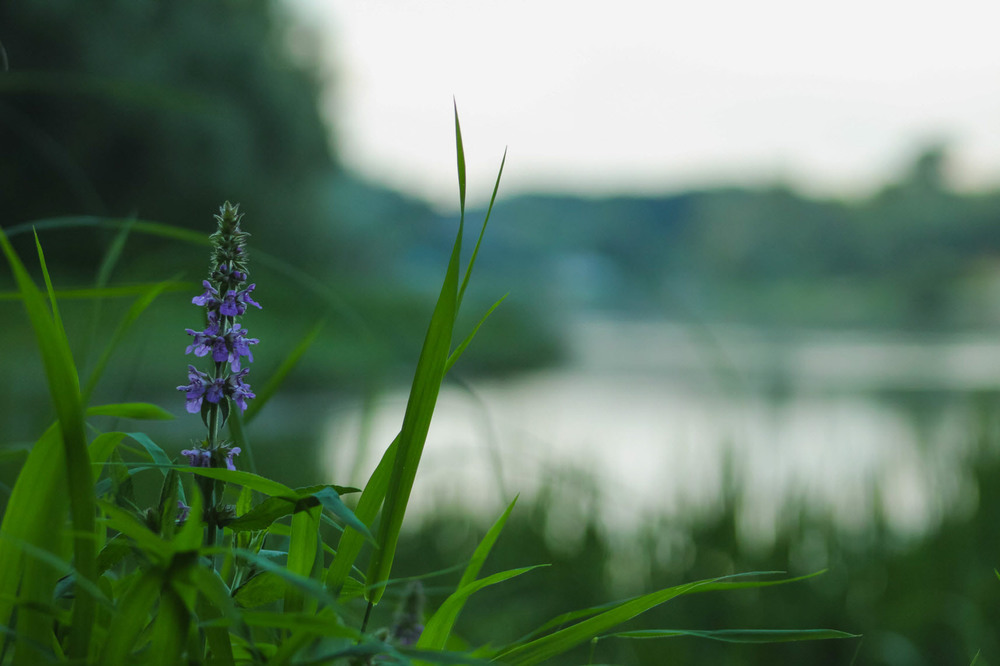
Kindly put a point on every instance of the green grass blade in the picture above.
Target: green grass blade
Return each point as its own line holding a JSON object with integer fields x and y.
{"x": 562, "y": 640}
{"x": 416, "y": 422}
{"x": 37, "y": 501}
{"x": 214, "y": 603}
{"x": 461, "y": 163}
{"x": 460, "y": 349}
{"x": 170, "y": 628}
{"x": 485, "y": 546}
{"x": 435, "y": 634}
{"x": 131, "y": 618}
{"x": 367, "y": 508}
{"x": 100, "y": 449}
{"x": 114, "y": 291}
{"x": 420, "y": 406}
{"x": 277, "y": 377}
{"x": 137, "y": 308}
{"x": 143, "y": 411}
{"x": 740, "y": 635}
{"x": 482, "y": 231}
{"x": 64, "y": 387}
{"x": 303, "y": 546}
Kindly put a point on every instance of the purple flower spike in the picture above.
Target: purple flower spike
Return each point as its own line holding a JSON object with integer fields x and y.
{"x": 199, "y": 383}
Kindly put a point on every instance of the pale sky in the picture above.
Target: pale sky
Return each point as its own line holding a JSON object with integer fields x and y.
{"x": 647, "y": 96}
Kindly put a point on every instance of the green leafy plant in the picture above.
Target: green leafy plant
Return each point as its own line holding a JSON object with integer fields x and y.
{"x": 231, "y": 567}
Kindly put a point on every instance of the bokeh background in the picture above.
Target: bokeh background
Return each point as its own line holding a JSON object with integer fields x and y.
{"x": 752, "y": 256}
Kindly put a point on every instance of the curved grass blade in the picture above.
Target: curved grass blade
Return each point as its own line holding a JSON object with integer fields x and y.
{"x": 438, "y": 627}
{"x": 546, "y": 647}
{"x": 443, "y": 620}
{"x": 137, "y": 308}
{"x": 278, "y": 376}
{"x": 740, "y": 635}
{"x": 460, "y": 349}
{"x": 64, "y": 387}
{"x": 113, "y": 291}
{"x": 239, "y": 477}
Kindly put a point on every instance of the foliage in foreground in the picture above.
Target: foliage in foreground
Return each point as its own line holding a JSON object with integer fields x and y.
{"x": 212, "y": 574}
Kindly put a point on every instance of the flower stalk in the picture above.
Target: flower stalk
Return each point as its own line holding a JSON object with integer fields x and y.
{"x": 213, "y": 394}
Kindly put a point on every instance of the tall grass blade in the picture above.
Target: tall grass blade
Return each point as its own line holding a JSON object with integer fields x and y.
{"x": 277, "y": 377}
{"x": 420, "y": 406}
{"x": 444, "y": 618}
{"x": 739, "y": 635}
{"x": 367, "y": 508}
{"x": 137, "y": 308}
{"x": 64, "y": 387}
{"x": 546, "y": 647}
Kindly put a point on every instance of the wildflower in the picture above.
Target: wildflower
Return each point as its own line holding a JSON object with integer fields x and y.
{"x": 238, "y": 390}
{"x": 183, "y": 511}
{"x": 198, "y": 457}
{"x": 224, "y": 298}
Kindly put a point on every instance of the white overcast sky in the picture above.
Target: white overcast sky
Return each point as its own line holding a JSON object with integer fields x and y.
{"x": 656, "y": 96}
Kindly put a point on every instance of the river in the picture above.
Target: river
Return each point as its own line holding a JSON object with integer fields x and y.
{"x": 663, "y": 419}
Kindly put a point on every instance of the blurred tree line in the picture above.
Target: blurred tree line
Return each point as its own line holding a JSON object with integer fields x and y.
{"x": 161, "y": 110}
{"x": 916, "y": 255}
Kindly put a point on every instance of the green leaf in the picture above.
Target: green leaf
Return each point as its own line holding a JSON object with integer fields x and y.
{"x": 153, "y": 449}
{"x": 740, "y": 635}
{"x": 264, "y": 588}
{"x": 239, "y": 477}
{"x": 329, "y": 497}
{"x": 150, "y": 543}
{"x": 309, "y": 586}
{"x": 101, "y": 448}
{"x": 318, "y": 625}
